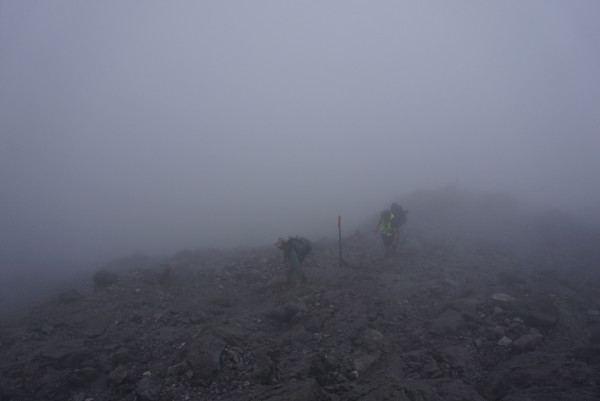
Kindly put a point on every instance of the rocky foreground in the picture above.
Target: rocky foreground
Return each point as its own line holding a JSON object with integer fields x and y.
{"x": 439, "y": 321}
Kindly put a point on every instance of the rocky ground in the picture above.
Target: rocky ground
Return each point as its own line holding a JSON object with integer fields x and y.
{"x": 447, "y": 318}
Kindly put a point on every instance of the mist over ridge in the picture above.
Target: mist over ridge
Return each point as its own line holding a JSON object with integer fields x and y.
{"x": 161, "y": 128}
{"x": 151, "y": 153}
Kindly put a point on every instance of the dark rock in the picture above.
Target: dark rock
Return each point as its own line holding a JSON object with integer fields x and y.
{"x": 84, "y": 376}
{"x": 594, "y": 331}
{"x": 535, "y": 369}
{"x": 498, "y": 312}
{"x": 203, "y": 364}
{"x": 458, "y": 357}
{"x": 149, "y": 388}
{"x": 363, "y": 362}
{"x": 295, "y": 390}
{"x": 163, "y": 274}
{"x": 104, "y": 278}
{"x": 97, "y": 325}
{"x": 542, "y": 393}
{"x": 69, "y": 296}
{"x": 411, "y": 390}
{"x": 423, "y": 326}
{"x": 122, "y": 356}
{"x": 4, "y": 392}
{"x": 588, "y": 353}
{"x": 447, "y": 323}
{"x": 65, "y": 353}
{"x": 538, "y": 313}
{"x": 263, "y": 370}
{"x": 118, "y": 375}
{"x": 457, "y": 390}
{"x": 416, "y": 355}
{"x": 504, "y": 299}
{"x": 232, "y": 357}
{"x": 313, "y": 324}
{"x": 467, "y": 307}
{"x": 309, "y": 364}
{"x": 179, "y": 369}
{"x": 528, "y": 342}
{"x": 431, "y": 368}
{"x": 504, "y": 341}
{"x": 285, "y": 312}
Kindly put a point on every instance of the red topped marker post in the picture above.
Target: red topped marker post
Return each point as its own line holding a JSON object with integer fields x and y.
{"x": 340, "y": 235}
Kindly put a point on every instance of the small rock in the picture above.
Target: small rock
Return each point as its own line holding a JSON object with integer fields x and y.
{"x": 539, "y": 313}
{"x": 118, "y": 374}
{"x": 501, "y": 297}
{"x": 362, "y": 363}
{"x": 149, "y": 388}
{"x": 499, "y": 331}
{"x": 528, "y": 342}
{"x": 432, "y": 369}
{"x": 177, "y": 370}
{"x": 504, "y": 341}
{"x": 97, "y": 325}
{"x": 497, "y": 311}
{"x": 447, "y": 323}
{"x": 285, "y": 313}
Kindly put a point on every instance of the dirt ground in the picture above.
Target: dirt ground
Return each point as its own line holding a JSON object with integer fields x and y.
{"x": 454, "y": 315}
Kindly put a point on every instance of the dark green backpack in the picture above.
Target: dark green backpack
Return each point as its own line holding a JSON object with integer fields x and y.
{"x": 301, "y": 245}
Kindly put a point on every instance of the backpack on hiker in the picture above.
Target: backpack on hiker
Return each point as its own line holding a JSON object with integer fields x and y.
{"x": 399, "y": 215}
{"x": 301, "y": 245}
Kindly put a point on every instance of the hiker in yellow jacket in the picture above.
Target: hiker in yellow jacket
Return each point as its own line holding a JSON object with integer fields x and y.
{"x": 388, "y": 232}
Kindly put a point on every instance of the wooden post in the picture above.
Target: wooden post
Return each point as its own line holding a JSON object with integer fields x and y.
{"x": 340, "y": 235}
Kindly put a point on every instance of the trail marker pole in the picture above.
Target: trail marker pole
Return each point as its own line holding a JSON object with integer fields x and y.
{"x": 340, "y": 235}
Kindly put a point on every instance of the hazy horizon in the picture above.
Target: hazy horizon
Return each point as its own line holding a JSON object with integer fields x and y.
{"x": 158, "y": 126}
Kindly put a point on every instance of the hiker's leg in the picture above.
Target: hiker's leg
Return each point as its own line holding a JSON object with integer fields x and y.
{"x": 299, "y": 274}
{"x": 289, "y": 276}
{"x": 303, "y": 278}
{"x": 387, "y": 243}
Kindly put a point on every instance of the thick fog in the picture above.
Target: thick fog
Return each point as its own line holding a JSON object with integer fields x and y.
{"x": 159, "y": 126}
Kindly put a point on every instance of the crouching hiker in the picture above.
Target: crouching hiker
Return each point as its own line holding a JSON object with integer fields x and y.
{"x": 295, "y": 250}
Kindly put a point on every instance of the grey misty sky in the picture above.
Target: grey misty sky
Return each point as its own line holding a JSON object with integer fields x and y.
{"x": 165, "y": 125}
